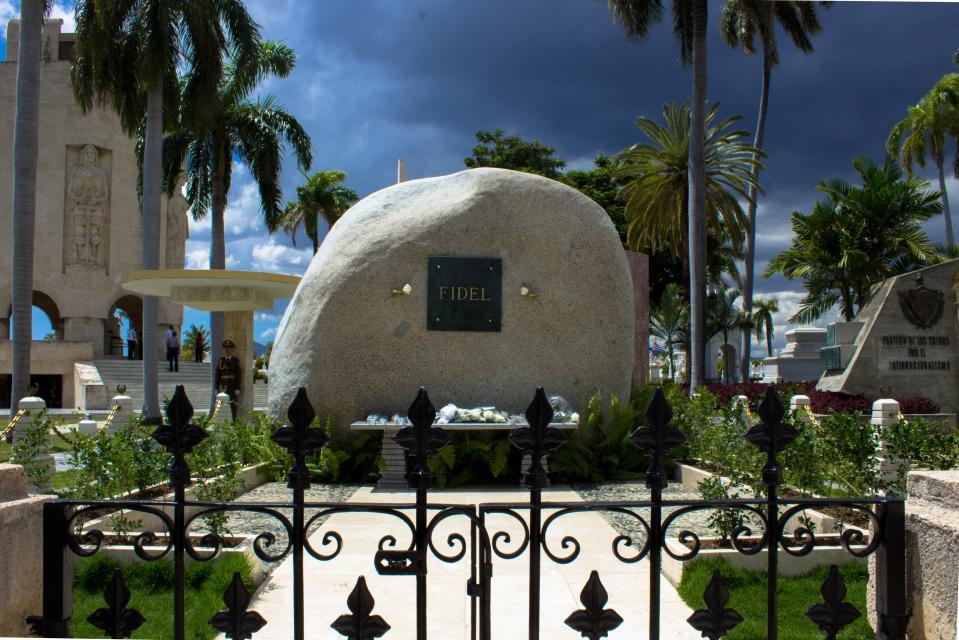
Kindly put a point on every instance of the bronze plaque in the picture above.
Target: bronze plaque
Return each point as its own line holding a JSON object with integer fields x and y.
{"x": 464, "y": 294}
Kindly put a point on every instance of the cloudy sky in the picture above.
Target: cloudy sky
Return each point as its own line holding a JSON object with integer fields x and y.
{"x": 379, "y": 80}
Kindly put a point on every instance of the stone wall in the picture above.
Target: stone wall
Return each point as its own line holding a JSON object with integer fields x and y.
{"x": 21, "y": 551}
{"x": 932, "y": 554}
{"x": 88, "y": 223}
{"x": 52, "y": 358}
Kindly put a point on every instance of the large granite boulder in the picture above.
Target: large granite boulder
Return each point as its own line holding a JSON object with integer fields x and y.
{"x": 359, "y": 345}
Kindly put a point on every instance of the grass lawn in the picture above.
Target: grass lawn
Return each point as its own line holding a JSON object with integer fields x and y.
{"x": 748, "y": 597}
{"x": 151, "y": 588}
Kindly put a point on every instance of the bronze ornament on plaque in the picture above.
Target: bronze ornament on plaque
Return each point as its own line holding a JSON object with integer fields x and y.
{"x": 922, "y": 306}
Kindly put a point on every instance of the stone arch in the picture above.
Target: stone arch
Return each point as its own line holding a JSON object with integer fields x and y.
{"x": 115, "y": 338}
{"x": 45, "y": 303}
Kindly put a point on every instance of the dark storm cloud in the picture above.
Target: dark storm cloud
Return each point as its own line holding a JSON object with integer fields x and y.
{"x": 389, "y": 79}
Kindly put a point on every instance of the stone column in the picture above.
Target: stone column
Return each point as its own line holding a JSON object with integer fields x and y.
{"x": 639, "y": 270}
{"x": 21, "y": 551}
{"x": 885, "y": 413}
{"x": 238, "y": 327}
{"x": 92, "y": 330}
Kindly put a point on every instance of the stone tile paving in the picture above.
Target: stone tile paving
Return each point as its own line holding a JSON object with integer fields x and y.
{"x": 253, "y": 523}
{"x": 636, "y": 490}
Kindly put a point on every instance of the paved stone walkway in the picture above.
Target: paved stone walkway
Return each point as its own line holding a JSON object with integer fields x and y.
{"x": 329, "y": 583}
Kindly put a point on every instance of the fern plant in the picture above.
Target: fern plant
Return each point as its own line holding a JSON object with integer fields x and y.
{"x": 470, "y": 460}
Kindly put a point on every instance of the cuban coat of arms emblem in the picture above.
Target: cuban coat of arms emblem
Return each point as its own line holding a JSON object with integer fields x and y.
{"x": 922, "y": 306}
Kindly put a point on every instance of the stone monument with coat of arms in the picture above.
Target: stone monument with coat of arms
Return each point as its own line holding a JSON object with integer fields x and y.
{"x": 903, "y": 343}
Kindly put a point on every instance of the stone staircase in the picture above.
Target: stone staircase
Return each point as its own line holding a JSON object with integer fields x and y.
{"x": 195, "y": 377}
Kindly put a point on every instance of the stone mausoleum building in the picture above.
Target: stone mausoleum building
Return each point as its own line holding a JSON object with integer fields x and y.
{"x": 88, "y": 229}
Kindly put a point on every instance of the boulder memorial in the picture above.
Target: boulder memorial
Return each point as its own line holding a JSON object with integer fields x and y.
{"x": 480, "y": 286}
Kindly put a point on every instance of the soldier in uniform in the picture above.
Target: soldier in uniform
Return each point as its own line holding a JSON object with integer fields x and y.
{"x": 228, "y": 375}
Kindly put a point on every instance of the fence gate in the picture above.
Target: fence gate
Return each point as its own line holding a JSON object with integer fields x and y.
{"x": 69, "y": 529}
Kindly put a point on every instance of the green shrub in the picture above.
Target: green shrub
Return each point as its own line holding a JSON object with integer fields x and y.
{"x": 724, "y": 521}
{"x": 356, "y": 460}
{"x": 919, "y": 443}
{"x": 29, "y": 447}
{"x": 469, "y": 459}
{"x": 601, "y": 449}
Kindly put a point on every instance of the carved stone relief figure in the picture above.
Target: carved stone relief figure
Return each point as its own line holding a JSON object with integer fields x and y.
{"x": 87, "y": 195}
{"x": 177, "y": 229}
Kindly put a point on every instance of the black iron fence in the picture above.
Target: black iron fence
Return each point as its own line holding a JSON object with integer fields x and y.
{"x": 65, "y": 533}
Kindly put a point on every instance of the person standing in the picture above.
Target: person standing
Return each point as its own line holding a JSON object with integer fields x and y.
{"x": 198, "y": 347}
{"x": 228, "y": 375}
{"x": 132, "y": 340}
{"x": 172, "y": 350}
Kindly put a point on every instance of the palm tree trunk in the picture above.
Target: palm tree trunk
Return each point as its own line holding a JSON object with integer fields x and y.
{"x": 684, "y": 231}
{"x": 752, "y": 199}
{"x": 25, "y": 130}
{"x": 217, "y": 257}
{"x": 697, "y": 200}
{"x": 945, "y": 202}
{"x": 769, "y": 341}
{"x": 152, "y": 156}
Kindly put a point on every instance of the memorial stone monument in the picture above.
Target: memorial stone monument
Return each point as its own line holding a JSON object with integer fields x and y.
{"x": 903, "y": 342}
{"x": 479, "y": 286}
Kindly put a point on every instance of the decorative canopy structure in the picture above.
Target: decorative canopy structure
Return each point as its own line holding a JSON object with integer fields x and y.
{"x": 237, "y": 293}
{"x": 213, "y": 289}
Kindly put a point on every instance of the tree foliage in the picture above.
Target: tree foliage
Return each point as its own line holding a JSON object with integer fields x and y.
{"x": 496, "y": 149}
{"x": 762, "y": 320}
{"x": 655, "y": 177}
{"x": 323, "y": 194}
{"x": 857, "y": 236}
{"x": 669, "y": 322}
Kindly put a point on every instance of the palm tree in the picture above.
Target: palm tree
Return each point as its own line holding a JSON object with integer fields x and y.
{"x": 689, "y": 26}
{"x": 742, "y": 21}
{"x": 321, "y": 195}
{"x": 856, "y": 237}
{"x": 197, "y": 335}
{"x": 924, "y": 131}
{"x": 762, "y": 320}
{"x": 23, "y": 210}
{"x": 668, "y": 321}
{"x": 234, "y": 127}
{"x": 723, "y": 316}
{"x": 655, "y": 177}
{"x": 127, "y": 58}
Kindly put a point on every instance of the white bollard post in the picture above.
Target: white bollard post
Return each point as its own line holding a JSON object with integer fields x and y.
{"x": 885, "y": 413}
{"x": 30, "y": 404}
{"x": 88, "y": 426}
{"x": 742, "y": 404}
{"x": 223, "y": 416}
{"x": 801, "y": 406}
{"x": 124, "y": 409}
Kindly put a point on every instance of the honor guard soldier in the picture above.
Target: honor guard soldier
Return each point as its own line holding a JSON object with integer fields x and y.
{"x": 228, "y": 375}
